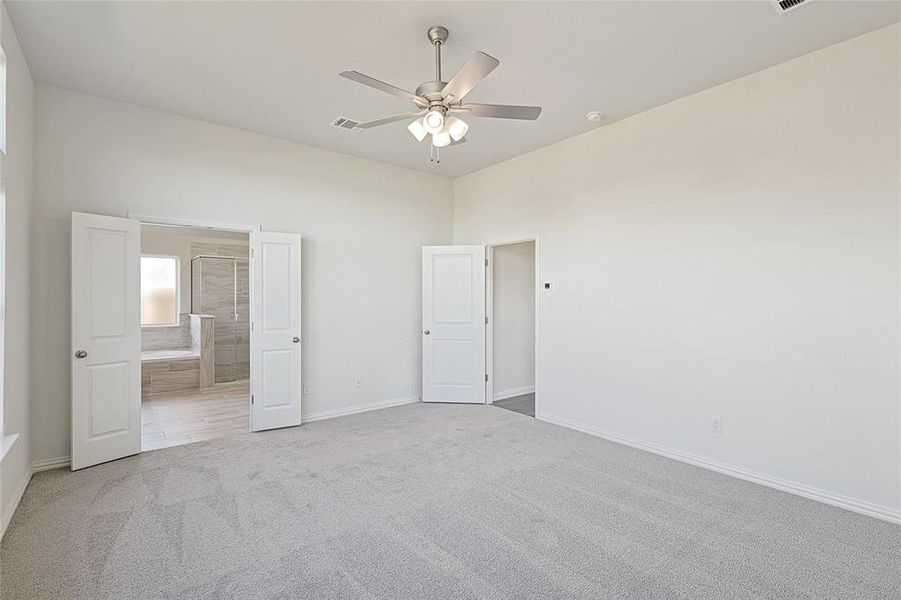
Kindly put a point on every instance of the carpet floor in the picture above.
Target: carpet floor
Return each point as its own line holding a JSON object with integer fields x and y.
{"x": 431, "y": 501}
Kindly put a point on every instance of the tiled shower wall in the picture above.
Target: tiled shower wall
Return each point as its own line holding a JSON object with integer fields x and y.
{"x": 221, "y": 287}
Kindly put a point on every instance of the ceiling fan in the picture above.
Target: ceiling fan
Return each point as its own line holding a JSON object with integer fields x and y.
{"x": 437, "y": 102}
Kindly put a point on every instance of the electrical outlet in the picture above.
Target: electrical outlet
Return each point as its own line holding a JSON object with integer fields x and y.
{"x": 716, "y": 424}
{"x": 358, "y": 382}
{"x": 306, "y": 387}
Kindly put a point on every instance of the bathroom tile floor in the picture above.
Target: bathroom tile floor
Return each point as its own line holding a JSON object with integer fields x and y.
{"x": 177, "y": 418}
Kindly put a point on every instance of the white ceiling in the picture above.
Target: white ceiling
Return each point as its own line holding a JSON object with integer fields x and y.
{"x": 273, "y": 67}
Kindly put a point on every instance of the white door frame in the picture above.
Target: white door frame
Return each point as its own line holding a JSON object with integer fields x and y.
{"x": 489, "y": 312}
{"x": 147, "y": 219}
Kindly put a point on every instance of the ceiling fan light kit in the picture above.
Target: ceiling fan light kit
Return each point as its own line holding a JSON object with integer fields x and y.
{"x": 457, "y": 128}
{"x": 433, "y": 121}
{"x": 436, "y": 100}
{"x": 418, "y": 130}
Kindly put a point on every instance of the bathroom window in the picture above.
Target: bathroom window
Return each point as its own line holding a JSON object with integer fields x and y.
{"x": 159, "y": 290}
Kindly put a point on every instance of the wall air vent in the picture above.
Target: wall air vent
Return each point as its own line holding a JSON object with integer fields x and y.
{"x": 346, "y": 124}
{"x": 787, "y": 5}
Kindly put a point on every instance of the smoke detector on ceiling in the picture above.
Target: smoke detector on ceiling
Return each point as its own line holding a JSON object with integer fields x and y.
{"x": 787, "y": 5}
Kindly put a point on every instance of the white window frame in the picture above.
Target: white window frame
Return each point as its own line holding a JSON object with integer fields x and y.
{"x": 177, "y": 290}
{"x": 4, "y": 443}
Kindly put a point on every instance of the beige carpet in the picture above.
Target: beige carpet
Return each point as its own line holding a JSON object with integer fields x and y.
{"x": 431, "y": 501}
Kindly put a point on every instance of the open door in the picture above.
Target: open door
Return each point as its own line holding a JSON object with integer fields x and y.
{"x": 275, "y": 376}
{"x": 453, "y": 324}
{"x": 106, "y": 339}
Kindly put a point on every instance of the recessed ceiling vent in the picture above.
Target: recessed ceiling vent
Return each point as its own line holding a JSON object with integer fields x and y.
{"x": 346, "y": 124}
{"x": 787, "y": 5}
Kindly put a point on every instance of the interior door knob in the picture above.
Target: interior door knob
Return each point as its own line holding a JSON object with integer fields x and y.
{"x": 80, "y": 354}
{"x": 295, "y": 339}
{"x": 427, "y": 332}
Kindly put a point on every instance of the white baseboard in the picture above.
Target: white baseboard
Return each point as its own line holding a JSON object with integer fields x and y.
{"x": 360, "y": 408}
{"x": 51, "y": 463}
{"x": 17, "y": 497}
{"x": 503, "y": 395}
{"x": 863, "y": 507}
{"x": 65, "y": 461}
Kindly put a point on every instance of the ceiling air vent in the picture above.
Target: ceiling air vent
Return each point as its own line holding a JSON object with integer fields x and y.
{"x": 787, "y": 5}
{"x": 346, "y": 124}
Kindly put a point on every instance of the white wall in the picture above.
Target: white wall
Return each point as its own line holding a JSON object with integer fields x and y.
{"x": 513, "y": 274}
{"x": 176, "y": 241}
{"x": 733, "y": 253}
{"x": 17, "y": 177}
{"x": 363, "y": 224}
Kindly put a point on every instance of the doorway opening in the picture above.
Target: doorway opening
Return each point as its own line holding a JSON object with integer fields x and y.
{"x": 195, "y": 334}
{"x": 511, "y": 336}
{"x": 108, "y": 344}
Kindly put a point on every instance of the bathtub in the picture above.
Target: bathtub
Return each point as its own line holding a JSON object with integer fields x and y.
{"x": 155, "y": 355}
{"x": 166, "y": 371}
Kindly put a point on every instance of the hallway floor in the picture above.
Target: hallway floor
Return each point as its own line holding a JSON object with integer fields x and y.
{"x": 178, "y": 418}
{"x": 524, "y": 405}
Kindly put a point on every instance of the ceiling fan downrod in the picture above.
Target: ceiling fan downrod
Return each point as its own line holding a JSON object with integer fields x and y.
{"x": 438, "y": 35}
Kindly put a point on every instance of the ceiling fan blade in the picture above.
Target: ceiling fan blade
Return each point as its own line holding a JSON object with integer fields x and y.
{"x": 386, "y": 120}
{"x": 469, "y": 76}
{"x": 500, "y": 111}
{"x": 383, "y": 87}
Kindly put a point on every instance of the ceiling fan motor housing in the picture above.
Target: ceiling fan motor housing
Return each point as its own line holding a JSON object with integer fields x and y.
{"x": 431, "y": 91}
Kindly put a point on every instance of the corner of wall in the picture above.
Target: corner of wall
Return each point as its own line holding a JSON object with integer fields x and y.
{"x": 19, "y": 183}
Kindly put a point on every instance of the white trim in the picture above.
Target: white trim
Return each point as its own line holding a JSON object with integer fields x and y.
{"x": 360, "y": 408}
{"x": 512, "y": 393}
{"x": 490, "y": 397}
{"x": 51, "y": 463}
{"x": 65, "y": 461}
{"x": 512, "y": 240}
{"x": 13, "y": 505}
{"x": 863, "y": 507}
{"x": 200, "y": 223}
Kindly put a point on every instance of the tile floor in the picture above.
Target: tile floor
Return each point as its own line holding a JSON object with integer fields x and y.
{"x": 177, "y": 418}
{"x": 524, "y": 405}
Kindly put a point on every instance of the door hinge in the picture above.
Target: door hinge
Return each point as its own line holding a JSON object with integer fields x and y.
{"x": 486, "y": 376}
{"x": 486, "y": 320}
{"x": 251, "y": 325}
{"x": 486, "y": 262}
{"x": 251, "y": 398}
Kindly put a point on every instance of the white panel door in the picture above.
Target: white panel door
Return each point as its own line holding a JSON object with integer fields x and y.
{"x": 275, "y": 377}
{"x": 453, "y": 324}
{"x": 106, "y": 339}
